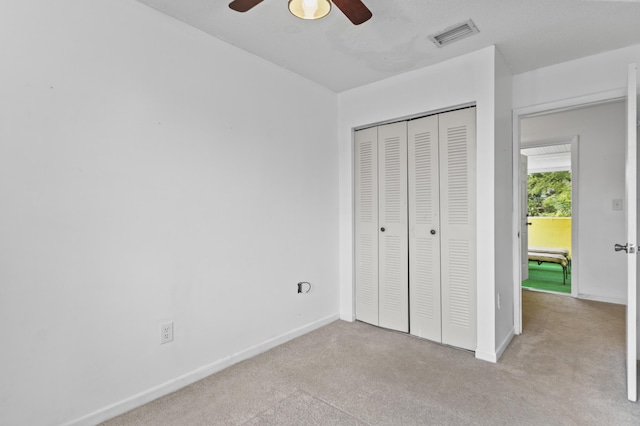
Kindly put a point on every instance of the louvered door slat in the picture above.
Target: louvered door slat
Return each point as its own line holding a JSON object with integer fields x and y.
{"x": 458, "y": 229}
{"x": 424, "y": 247}
{"x": 393, "y": 241}
{"x": 366, "y": 225}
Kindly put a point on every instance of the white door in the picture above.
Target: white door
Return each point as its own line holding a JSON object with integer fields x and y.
{"x": 524, "y": 222}
{"x": 366, "y": 224}
{"x": 457, "y": 136}
{"x": 393, "y": 238}
{"x": 438, "y": 229}
{"x": 424, "y": 229}
{"x": 631, "y": 245}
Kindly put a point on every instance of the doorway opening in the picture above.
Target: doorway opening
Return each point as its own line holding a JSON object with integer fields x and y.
{"x": 612, "y": 180}
{"x": 599, "y": 122}
{"x": 548, "y": 205}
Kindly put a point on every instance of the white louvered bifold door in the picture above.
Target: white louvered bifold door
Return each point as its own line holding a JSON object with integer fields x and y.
{"x": 458, "y": 227}
{"x": 366, "y": 224}
{"x": 424, "y": 229}
{"x": 392, "y": 221}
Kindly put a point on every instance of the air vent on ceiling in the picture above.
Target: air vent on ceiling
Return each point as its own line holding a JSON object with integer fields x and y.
{"x": 454, "y": 33}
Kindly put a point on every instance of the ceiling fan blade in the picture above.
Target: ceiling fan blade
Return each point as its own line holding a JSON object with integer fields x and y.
{"x": 355, "y": 10}
{"x": 243, "y": 5}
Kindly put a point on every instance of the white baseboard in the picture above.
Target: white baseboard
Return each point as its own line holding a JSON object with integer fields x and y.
{"x": 495, "y": 356}
{"x": 348, "y": 318}
{"x": 166, "y": 388}
{"x": 505, "y": 343}
{"x": 616, "y": 300}
{"x": 486, "y": 356}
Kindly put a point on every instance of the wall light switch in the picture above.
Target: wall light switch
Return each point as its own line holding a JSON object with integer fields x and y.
{"x": 616, "y": 204}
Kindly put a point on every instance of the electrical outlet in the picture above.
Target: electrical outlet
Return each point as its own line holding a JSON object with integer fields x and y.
{"x": 166, "y": 332}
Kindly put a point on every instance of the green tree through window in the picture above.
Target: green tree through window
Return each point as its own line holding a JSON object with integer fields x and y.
{"x": 550, "y": 194}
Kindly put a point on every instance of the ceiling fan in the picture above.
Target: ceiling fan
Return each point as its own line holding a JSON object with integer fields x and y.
{"x": 355, "y": 10}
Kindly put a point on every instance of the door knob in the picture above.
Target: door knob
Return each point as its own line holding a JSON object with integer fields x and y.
{"x": 629, "y": 248}
{"x": 382, "y": 229}
{"x": 433, "y": 232}
{"x": 620, "y": 247}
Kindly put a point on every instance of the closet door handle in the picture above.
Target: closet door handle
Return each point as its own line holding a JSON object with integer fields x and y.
{"x": 433, "y": 232}
{"x": 382, "y": 229}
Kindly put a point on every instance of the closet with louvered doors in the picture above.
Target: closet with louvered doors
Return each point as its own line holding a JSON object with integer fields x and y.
{"x": 415, "y": 227}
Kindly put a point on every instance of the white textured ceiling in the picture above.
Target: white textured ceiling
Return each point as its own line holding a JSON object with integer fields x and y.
{"x": 340, "y": 56}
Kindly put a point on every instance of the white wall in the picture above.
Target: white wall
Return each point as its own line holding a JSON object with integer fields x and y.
{"x": 602, "y": 137}
{"x": 580, "y": 78}
{"x": 468, "y": 79}
{"x": 503, "y": 210}
{"x": 149, "y": 172}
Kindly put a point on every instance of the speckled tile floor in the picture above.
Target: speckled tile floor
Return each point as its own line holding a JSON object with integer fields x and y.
{"x": 567, "y": 368}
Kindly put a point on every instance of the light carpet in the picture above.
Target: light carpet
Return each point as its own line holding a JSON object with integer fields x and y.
{"x": 567, "y": 368}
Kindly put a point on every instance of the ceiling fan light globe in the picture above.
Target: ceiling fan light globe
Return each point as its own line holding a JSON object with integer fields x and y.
{"x": 309, "y": 9}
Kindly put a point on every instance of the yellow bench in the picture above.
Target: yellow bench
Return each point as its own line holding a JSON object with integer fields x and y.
{"x": 562, "y": 251}
{"x": 551, "y": 258}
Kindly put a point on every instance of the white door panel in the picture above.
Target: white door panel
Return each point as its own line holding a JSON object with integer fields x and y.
{"x": 424, "y": 229}
{"x": 458, "y": 227}
{"x": 632, "y": 222}
{"x": 524, "y": 228}
{"x": 366, "y": 224}
{"x": 393, "y": 236}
